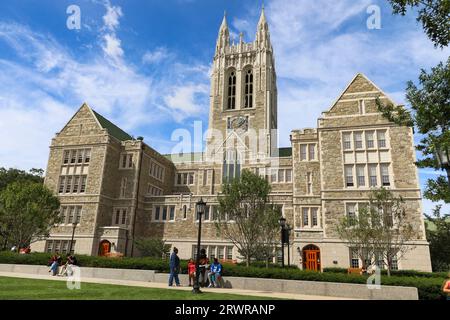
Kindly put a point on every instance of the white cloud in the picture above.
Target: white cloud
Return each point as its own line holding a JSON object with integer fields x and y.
{"x": 184, "y": 101}
{"x": 111, "y": 18}
{"x": 111, "y": 44}
{"x": 158, "y": 55}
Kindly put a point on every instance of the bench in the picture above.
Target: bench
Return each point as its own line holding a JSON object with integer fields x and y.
{"x": 355, "y": 271}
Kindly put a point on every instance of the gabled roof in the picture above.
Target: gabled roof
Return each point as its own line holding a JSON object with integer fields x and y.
{"x": 359, "y": 75}
{"x": 112, "y": 129}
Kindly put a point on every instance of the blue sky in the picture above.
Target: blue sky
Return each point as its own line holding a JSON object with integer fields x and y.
{"x": 145, "y": 64}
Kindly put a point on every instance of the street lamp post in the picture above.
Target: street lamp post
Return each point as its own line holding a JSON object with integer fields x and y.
{"x": 282, "y": 222}
{"x": 442, "y": 156}
{"x": 201, "y": 206}
{"x": 288, "y": 235}
{"x": 74, "y": 225}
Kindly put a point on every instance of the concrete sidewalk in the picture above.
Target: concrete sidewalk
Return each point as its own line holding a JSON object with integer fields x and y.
{"x": 164, "y": 286}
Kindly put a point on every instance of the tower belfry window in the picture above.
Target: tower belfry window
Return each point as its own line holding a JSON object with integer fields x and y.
{"x": 231, "y": 91}
{"x": 248, "y": 102}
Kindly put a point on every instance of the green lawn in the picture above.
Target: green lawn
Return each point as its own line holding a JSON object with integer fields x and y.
{"x": 32, "y": 289}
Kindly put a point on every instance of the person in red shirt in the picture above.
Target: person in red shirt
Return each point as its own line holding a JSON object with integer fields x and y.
{"x": 446, "y": 287}
{"x": 191, "y": 271}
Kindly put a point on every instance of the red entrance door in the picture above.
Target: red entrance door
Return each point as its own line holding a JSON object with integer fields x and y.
{"x": 311, "y": 258}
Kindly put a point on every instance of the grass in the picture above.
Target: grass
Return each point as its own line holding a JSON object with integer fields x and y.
{"x": 34, "y": 289}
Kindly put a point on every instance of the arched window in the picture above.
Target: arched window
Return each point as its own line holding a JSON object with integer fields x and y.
{"x": 231, "y": 91}
{"x": 248, "y": 85}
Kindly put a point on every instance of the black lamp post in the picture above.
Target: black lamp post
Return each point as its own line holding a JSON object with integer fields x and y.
{"x": 201, "y": 207}
{"x": 74, "y": 225}
{"x": 282, "y": 222}
{"x": 288, "y": 235}
{"x": 442, "y": 156}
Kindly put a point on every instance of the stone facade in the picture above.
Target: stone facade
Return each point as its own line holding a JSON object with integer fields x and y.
{"x": 132, "y": 191}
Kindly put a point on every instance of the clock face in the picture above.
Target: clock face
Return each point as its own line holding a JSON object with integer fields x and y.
{"x": 240, "y": 122}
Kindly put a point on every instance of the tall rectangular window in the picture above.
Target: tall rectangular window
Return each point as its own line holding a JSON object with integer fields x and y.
{"x": 62, "y": 181}
{"x": 347, "y": 138}
{"x": 66, "y": 157}
{"x": 351, "y": 211}
{"x": 68, "y": 184}
{"x": 312, "y": 151}
{"x": 71, "y": 214}
{"x": 372, "y": 175}
{"x": 130, "y": 161}
{"x": 83, "y": 184}
{"x": 229, "y": 252}
{"x": 172, "y": 213}
{"x": 78, "y": 214}
{"x": 303, "y": 152}
{"x": 280, "y": 175}
{"x": 354, "y": 259}
{"x": 164, "y": 213}
{"x": 288, "y": 175}
{"x": 63, "y": 214}
{"x": 349, "y": 176}
{"x": 314, "y": 218}
{"x": 381, "y": 136}
{"x": 361, "y": 175}
{"x": 124, "y": 216}
{"x": 369, "y": 139}
{"x": 157, "y": 213}
{"x": 385, "y": 174}
{"x": 80, "y": 156}
{"x": 305, "y": 217}
{"x": 73, "y": 156}
{"x": 76, "y": 182}
{"x": 87, "y": 155}
{"x": 358, "y": 140}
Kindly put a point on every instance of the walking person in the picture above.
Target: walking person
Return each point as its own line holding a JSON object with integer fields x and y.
{"x": 174, "y": 266}
{"x": 446, "y": 287}
{"x": 191, "y": 272}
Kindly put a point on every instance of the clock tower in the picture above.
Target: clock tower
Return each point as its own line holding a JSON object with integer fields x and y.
{"x": 243, "y": 98}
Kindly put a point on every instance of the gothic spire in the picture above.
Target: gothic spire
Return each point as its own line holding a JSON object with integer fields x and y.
{"x": 262, "y": 32}
{"x": 223, "y": 39}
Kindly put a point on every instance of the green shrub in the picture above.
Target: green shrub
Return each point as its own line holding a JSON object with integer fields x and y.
{"x": 428, "y": 284}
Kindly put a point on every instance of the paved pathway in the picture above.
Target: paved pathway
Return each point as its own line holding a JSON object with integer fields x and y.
{"x": 164, "y": 286}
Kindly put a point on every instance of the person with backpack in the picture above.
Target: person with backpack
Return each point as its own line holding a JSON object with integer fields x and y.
{"x": 55, "y": 263}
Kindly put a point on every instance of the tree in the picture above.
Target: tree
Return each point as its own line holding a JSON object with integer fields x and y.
{"x": 153, "y": 247}
{"x": 359, "y": 235}
{"x": 430, "y": 113}
{"x": 433, "y": 14}
{"x": 391, "y": 226}
{"x": 28, "y": 210}
{"x": 245, "y": 218}
{"x": 380, "y": 231}
{"x": 11, "y": 175}
{"x": 438, "y": 234}
{"x": 266, "y": 247}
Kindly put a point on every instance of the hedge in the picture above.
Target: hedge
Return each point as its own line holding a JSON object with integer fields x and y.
{"x": 406, "y": 273}
{"x": 429, "y": 287}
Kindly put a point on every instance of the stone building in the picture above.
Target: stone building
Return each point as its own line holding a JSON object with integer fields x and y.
{"x": 116, "y": 188}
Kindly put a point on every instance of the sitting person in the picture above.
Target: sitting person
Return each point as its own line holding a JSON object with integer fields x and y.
{"x": 215, "y": 274}
{"x": 67, "y": 268}
{"x": 191, "y": 272}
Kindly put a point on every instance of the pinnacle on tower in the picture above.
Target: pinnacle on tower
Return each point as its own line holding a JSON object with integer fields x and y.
{"x": 223, "y": 39}
{"x": 262, "y": 32}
